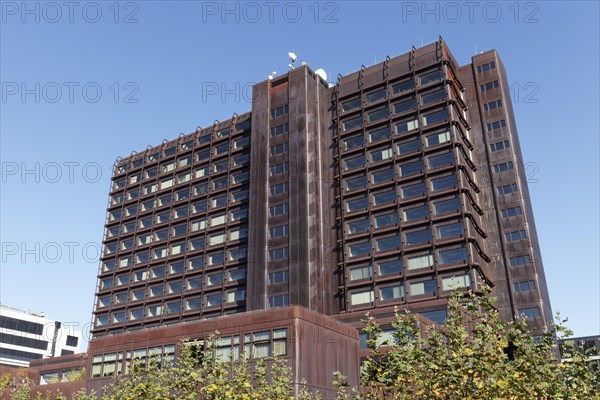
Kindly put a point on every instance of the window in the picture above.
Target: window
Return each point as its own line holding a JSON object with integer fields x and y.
{"x": 140, "y": 276}
{"x": 280, "y": 300}
{"x": 242, "y": 142}
{"x": 390, "y": 267}
{"x": 441, "y": 160}
{"x": 423, "y": 288}
{"x": 237, "y": 197}
{"x": 236, "y": 275}
{"x": 277, "y": 112}
{"x": 385, "y": 220}
{"x": 241, "y": 160}
{"x": 364, "y": 297}
{"x": 236, "y": 296}
{"x": 380, "y": 134}
{"x": 196, "y": 263}
{"x": 239, "y": 215}
{"x": 352, "y": 123}
{"x": 381, "y": 154}
{"x": 354, "y": 142}
{"x": 237, "y": 254}
{"x": 351, "y": 104}
{"x": 389, "y": 293}
{"x": 359, "y": 249}
{"x": 214, "y": 300}
{"x": 279, "y": 149}
{"x": 411, "y": 168}
{"x": 451, "y": 230}
{"x": 201, "y": 172}
{"x": 512, "y": 212}
{"x": 155, "y": 291}
{"x": 433, "y": 97}
{"x": 507, "y": 189}
{"x": 407, "y": 125}
{"x": 217, "y": 220}
{"x": 453, "y": 256}
{"x": 456, "y": 282}
{"x": 488, "y": 86}
{"x": 413, "y": 190}
{"x": 193, "y": 303}
{"x": 214, "y": 279}
{"x": 504, "y": 144}
{"x": 416, "y": 213}
{"x": 525, "y": 286}
{"x": 358, "y": 204}
{"x": 279, "y": 209}
{"x": 515, "y": 236}
{"x": 359, "y": 226}
{"x": 279, "y": 130}
{"x": 278, "y": 254}
{"x": 237, "y": 234}
{"x": 153, "y": 310}
{"x": 278, "y": 189}
{"x": 356, "y": 183}
{"x": 529, "y": 313}
{"x": 221, "y": 165}
{"x": 404, "y": 106}
{"x": 492, "y": 126}
{"x": 404, "y": 86}
{"x": 418, "y": 237}
{"x": 278, "y": 277}
{"x": 446, "y": 182}
{"x": 382, "y": 176}
{"x": 278, "y": 169}
{"x": 220, "y": 183}
{"x": 492, "y": 105}
{"x": 278, "y": 231}
{"x": 420, "y": 261}
{"x": 175, "y": 287}
{"x": 362, "y": 272}
{"x": 486, "y": 67}
{"x": 217, "y": 238}
{"x": 376, "y": 95}
{"x": 435, "y": 117}
{"x": 356, "y": 162}
{"x": 381, "y": 198}
{"x": 221, "y": 149}
{"x": 388, "y": 243}
{"x": 505, "y": 166}
{"x": 216, "y": 258}
{"x": 431, "y": 77}
{"x": 437, "y": 138}
{"x": 519, "y": 261}
{"x": 409, "y": 147}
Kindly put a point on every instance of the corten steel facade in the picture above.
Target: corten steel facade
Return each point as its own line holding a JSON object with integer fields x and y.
{"x": 388, "y": 189}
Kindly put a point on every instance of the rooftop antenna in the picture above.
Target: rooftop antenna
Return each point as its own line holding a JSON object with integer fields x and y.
{"x": 293, "y": 57}
{"x": 272, "y": 75}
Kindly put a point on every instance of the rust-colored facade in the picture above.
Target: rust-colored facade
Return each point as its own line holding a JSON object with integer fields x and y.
{"x": 388, "y": 189}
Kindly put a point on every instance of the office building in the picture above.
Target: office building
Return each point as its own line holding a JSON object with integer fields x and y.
{"x": 389, "y": 188}
{"x": 26, "y": 336}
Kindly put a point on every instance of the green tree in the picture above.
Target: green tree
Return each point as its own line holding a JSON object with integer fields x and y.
{"x": 475, "y": 355}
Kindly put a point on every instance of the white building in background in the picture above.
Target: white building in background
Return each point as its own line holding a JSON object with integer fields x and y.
{"x": 25, "y": 335}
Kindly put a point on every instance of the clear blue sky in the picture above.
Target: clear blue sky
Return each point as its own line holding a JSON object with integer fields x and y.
{"x": 158, "y": 66}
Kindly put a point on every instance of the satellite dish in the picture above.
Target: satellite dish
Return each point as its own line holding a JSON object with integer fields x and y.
{"x": 321, "y": 72}
{"x": 292, "y": 56}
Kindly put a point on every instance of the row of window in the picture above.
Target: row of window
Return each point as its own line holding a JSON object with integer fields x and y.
{"x": 398, "y": 291}
{"x": 218, "y": 219}
{"x": 191, "y": 283}
{"x": 396, "y": 266}
{"x": 201, "y": 188}
{"x": 401, "y": 87}
{"x": 385, "y": 133}
{"x": 486, "y": 67}
{"x": 174, "y": 307}
{"x": 414, "y": 213}
{"x": 410, "y": 238}
{"x": 185, "y": 144}
{"x": 403, "y": 170}
{"x": 174, "y": 232}
{"x": 400, "y": 127}
{"x": 408, "y": 191}
{"x": 492, "y": 126}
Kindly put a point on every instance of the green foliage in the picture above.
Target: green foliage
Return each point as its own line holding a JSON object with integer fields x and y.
{"x": 201, "y": 375}
{"x": 5, "y": 380}
{"x": 475, "y": 355}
